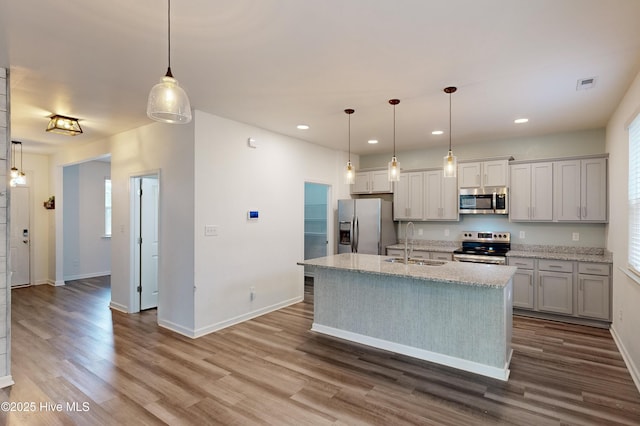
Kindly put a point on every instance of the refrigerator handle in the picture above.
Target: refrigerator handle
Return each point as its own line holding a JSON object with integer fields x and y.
{"x": 357, "y": 232}
{"x": 352, "y": 234}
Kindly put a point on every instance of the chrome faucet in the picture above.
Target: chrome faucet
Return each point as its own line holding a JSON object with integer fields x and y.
{"x": 408, "y": 254}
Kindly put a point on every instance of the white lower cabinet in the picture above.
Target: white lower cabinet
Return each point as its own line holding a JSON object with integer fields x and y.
{"x": 594, "y": 288}
{"x": 563, "y": 289}
{"x": 523, "y": 283}
{"x": 437, "y": 255}
{"x": 421, "y": 254}
{"x": 555, "y": 292}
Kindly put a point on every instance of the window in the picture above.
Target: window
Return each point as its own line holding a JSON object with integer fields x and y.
{"x": 634, "y": 195}
{"x": 107, "y": 207}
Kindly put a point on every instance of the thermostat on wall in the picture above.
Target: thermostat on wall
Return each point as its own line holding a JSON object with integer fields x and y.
{"x": 253, "y": 215}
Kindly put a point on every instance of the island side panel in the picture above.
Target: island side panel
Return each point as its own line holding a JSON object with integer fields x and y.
{"x": 466, "y": 322}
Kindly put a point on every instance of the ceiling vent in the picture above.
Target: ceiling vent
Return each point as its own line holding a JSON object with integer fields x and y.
{"x": 586, "y": 83}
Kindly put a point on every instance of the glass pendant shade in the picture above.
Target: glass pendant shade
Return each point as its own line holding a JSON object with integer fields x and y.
{"x": 168, "y": 102}
{"x": 394, "y": 170}
{"x": 450, "y": 165}
{"x": 14, "y": 173}
{"x": 349, "y": 174}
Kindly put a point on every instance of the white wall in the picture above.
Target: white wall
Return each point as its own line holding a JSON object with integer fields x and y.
{"x": 87, "y": 252}
{"x": 154, "y": 147}
{"x": 231, "y": 179}
{"x": 36, "y": 167}
{"x": 559, "y": 145}
{"x": 626, "y": 291}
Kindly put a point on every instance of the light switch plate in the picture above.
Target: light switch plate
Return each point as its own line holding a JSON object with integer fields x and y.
{"x": 210, "y": 231}
{"x": 576, "y": 236}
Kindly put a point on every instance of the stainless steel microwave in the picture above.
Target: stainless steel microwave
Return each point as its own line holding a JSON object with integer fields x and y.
{"x": 484, "y": 201}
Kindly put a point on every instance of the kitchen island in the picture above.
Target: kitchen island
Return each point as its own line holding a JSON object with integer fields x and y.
{"x": 451, "y": 313}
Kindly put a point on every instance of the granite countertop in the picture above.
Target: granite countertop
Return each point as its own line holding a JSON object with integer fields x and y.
{"x": 471, "y": 274}
{"x": 596, "y": 255}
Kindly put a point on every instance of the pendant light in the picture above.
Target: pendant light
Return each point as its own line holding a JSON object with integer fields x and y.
{"x": 394, "y": 164}
{"x": 168, "y": 102}
{"x": 17, "y": 176}
{"x": 450, "y": 163}
{"x": 349, "y": 170}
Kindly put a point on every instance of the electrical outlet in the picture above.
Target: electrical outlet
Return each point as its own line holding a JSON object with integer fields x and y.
{"x": 252, "y": 293}
{"x": 210, "y": 231}
{"x": 620, "y": 314}
{"x": 522, "y": 234}
{"x": 446, "y": 232}
{"x": 420, "y": 231}
{"x": 576, "y": 236}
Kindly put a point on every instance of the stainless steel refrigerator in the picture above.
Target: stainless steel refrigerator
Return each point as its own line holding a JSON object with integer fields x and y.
{"x": 365, "y": 226}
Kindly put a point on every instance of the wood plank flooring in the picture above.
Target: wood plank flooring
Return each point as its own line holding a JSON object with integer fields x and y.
{"x": 68, "y": 347}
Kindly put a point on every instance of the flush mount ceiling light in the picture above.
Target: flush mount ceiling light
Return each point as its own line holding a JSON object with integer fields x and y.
{"x": 450, "y": 164}
{"x": 349, "y": 170}
{"x": 168, "y": 102}
{"x": 64, "y": 125}
{"x": 437, "y": 132}
{"x": 372, "y": 141}
{"x": 521, "y": 120}
{"x": 394, "y": 164}
{"x": 302, "y": 127}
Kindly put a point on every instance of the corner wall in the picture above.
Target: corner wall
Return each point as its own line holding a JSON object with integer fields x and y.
{"x": 156, "y": 147}
{"x": 232, "y": 178}
{"x": 626, "y": 290}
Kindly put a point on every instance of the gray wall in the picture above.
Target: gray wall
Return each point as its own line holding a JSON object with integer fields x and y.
{"x": 551, "y": 146}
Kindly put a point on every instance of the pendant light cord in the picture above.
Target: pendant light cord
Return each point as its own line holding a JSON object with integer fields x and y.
{"x": 169, "y": 39}
{"x": 394, "y": 130}
{"x": 449, "y": 122}
{"x": 349, "y": 114}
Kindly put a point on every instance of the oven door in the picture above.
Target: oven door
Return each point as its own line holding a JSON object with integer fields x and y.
{"x": 477, "y": 258}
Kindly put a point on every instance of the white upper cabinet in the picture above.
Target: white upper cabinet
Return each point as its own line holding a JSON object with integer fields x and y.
{"x": 580, "y": 190}
{"x": 408, "y": 197}
{"x": 494, "y": 173}
{"x": 530, "y": 194}
{"x": 441, "y": 202}
{"x": 376, "y": 181}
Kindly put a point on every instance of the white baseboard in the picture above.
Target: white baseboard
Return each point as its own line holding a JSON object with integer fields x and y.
{"x": 118, "y": 307}
{"x": 85, "y": 276}
{"x": 6, "y": 381}
{"x": 241, "y": 318}
{"x": 57, "y": 283}
{"x": 177, "y": 328}
{"x": 633, "y": 369}
{"x": 450, "y": 361}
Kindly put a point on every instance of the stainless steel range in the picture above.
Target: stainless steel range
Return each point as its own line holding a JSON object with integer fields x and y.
{"x": 483, "y": 247}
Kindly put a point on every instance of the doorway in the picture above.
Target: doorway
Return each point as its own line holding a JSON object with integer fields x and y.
{"x": 316, "y": 216}
{"x": 20, "y": 240}
{"x": 145, "y": 217}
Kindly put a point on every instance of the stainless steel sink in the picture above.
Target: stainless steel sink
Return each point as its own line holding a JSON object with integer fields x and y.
{"x": 416, "y": 261}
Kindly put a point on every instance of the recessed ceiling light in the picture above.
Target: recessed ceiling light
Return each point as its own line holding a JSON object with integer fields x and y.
{"x": 520, "y": 120}
{"x": 437, "y": 132}
{"x": 372, "y": 141}
{"x": 302, "y": 127}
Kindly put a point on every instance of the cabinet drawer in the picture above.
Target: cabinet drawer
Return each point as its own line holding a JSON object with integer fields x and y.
{"x": 594, "y": 268}
{"x": 395, "y": 252}
{"x": 438, "y": 255}
{"x": 420, "y": 254}
{"x": 555, "y": 265}
{"x": 521, "y": 262}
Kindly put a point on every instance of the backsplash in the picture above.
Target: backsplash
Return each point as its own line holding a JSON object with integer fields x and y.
{"x": 539, "y": 234}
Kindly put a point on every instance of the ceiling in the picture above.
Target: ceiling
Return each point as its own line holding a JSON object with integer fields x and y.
{"x": 278, "y": 63}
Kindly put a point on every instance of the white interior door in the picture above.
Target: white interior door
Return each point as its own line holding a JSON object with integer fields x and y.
{"x": 20, "y": 236}
{"x": 149, "y": 243}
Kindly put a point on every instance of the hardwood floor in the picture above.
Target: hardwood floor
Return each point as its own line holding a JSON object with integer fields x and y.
{"x": 68, "y": 347}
